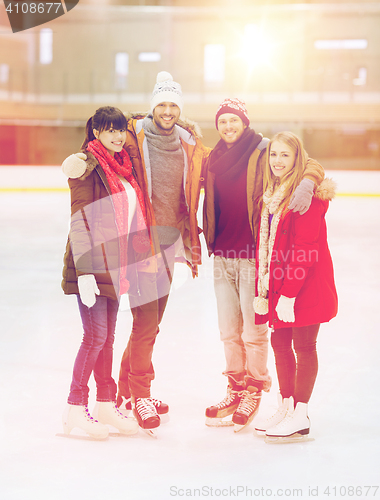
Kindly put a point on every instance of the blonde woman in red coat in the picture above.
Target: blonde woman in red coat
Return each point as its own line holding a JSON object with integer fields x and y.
{"x": 295, "y": 284}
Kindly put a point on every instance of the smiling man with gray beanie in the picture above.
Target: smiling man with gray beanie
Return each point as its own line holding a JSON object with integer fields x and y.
{"x": 169, "y": 153}
{"x": 166, "y": 153}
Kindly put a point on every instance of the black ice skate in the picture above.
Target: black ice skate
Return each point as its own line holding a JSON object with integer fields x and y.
{"x": 247, "y": 409}
{"x": 146, "y": 415}
{"x": 125, "y": 404}
{"x": 215, "y": 414}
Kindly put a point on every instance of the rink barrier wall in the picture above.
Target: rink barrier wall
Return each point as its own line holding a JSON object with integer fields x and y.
{"x": 32, "y": 189}
{"x": 359, "y": 195}
{"x": 57, "y": 189}
{"x": 50, "y": 179}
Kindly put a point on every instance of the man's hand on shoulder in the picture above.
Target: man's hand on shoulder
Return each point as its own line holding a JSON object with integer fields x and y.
{"x": 302, "y": 196}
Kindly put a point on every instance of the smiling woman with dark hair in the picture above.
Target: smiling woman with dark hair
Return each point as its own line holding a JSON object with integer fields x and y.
{"x": 106, "y": 202}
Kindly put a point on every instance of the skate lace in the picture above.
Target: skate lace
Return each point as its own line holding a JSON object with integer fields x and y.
{"x": 274, "y": 417}
{"x": 155, "y": 402}
{"x": 248, "y": 402}
{"x": 229, "y": 398}
{"x": 145, "y": 408}
{"x": 118, "y": 412}
{"x": 88, "y": 415}
{"x": 285, "y": 420}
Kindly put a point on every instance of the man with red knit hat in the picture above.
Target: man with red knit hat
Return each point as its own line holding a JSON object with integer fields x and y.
{"x": 233, "y": 175}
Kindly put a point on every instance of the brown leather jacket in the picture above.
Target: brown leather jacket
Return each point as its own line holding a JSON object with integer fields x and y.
{"x": 92, "y": 246}
{"x": 94, "y": 243}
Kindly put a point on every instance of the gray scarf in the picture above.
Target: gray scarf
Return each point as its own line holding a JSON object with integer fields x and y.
{"x": 159, "y": 142}
{"x": 167, "y": 167}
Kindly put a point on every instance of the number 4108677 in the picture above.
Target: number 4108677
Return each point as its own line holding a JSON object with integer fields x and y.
{"x": 32, "y": 8}
{"x": 351, "y": 491}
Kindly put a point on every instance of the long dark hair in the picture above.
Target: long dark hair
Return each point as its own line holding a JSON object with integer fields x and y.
{"x": 104, "y": 118}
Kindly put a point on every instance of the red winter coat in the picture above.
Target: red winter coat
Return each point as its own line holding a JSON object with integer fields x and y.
{"x": 301, "y": 265}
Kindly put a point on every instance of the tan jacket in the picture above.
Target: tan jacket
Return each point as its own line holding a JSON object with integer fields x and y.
{"x": 195, "y": 152}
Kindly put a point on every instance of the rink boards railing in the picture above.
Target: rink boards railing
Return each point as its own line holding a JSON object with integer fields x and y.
{"x": 45, "y": 179}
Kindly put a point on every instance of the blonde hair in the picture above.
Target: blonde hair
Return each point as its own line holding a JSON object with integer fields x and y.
{"x": 295, "y": 175}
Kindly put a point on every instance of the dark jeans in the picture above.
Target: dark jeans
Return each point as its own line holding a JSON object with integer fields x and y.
{"x": 136, "y": 370}
{"x": 296, "y": 359}
{"x": 96, "y": 352}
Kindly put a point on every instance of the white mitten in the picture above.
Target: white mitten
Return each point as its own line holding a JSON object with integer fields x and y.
{"x": 285, "y": 309}
{"x": 124, "y": 302}
{"x": 87, "y": 289}
{"x": 74, "y": 166}
{"x": 302, "y": 196}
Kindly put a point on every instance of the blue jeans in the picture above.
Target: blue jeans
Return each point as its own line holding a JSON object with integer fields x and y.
{"x": 245, "y": 343}
{"x": 96, "y": 352}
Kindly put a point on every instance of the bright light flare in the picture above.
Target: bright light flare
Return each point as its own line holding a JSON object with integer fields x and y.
{"x": 257, "y": 47}
{"x": 214, "y": 63}
{"x": 46, "y": 46}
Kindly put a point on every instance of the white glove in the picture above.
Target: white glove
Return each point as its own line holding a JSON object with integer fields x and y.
{"x": 285, "y": 309}
{"x": 74, "y": 166}
{"x": 87, "y": 289}
{"x": 302, "y": 196}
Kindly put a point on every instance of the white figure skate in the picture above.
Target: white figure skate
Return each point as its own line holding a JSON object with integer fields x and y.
{"x": 295, "y": 427}
{"x": 78, "y": 416}
{"x": 262, "y": 425}
{"x": 108, "y": 413}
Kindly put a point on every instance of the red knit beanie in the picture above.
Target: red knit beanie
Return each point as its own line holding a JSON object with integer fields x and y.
{"x": 234, "y": 106}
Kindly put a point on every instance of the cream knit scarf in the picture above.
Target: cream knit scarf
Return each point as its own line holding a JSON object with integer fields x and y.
{"x": 271, "y": 202}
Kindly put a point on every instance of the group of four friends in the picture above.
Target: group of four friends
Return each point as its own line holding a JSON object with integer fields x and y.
{"x": 135, "y": 188}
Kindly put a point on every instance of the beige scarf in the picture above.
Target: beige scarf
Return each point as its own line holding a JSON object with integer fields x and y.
{"x": 272, "y": 202}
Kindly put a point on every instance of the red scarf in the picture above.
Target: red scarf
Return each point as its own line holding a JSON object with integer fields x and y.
{"x": 121, "y": 165}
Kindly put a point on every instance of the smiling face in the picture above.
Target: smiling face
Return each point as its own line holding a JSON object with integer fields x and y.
{"x": 230, "y": 128}
{"x": 165, "y": 116}
{"x": 112, "y": 139}
{"x": 281, "y": 158}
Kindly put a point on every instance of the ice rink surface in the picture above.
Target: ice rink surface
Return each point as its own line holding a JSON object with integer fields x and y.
{"x": 41, "y": 333}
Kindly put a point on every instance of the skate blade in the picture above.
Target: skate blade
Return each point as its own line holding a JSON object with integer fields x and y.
{"x": 81, "y": 437}
{"x": 118, "y": 434}
{"x": 259, "y": 433}
{"x": 294, "y": 438}
{"x": 240, "y": 427}
{"x": 218, "y": 422}
{"x": 150, "y": 432}
{"x": 115, "y": 432}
